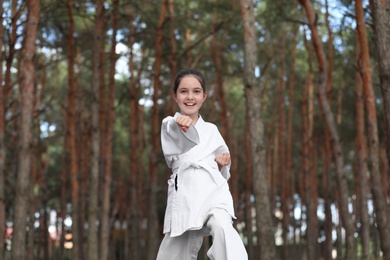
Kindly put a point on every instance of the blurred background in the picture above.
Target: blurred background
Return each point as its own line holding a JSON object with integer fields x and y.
{"x": 298, "y": 89}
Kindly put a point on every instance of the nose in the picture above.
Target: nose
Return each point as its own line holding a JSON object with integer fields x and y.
{"x": 190, "y": 95}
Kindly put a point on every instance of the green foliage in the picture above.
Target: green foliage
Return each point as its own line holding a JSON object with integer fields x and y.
{"x": 277, "y": 23}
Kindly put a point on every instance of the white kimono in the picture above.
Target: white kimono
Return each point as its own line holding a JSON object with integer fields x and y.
{"x": 196, "y": 185}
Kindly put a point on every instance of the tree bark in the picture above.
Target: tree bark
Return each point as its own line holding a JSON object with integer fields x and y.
{"x": 30, "y": 215}
{"x": 331, "y": 125}
{"x": 265, "y": 230}
{"x": 288, "y": 191}
{"x": 282, "y": 173}
{"x": 153, "y": 238}
{"x": 2, "y": 144}
{"x": 309, "y": 177}
{"x": 171, "y": 105}
{"x": 380, "y": 9}
{"x": 105, "y": 230}
{"x": 64, "y": 180}
{"x": 71, "y": 115}
{"x": 380, "y": 204}
{"x": 248, "y": 190}
{"x": 361, "y": 167}
{"x": 327, "y": 194}
{"x": 217, "y": 58}
{"x": 15, "y": 13}
{"x": 135, "y": 125}
{"x": 385, "y": 171}
{"x": 26, "y": 83}
{"x": 327, "y": 178}
{"x": 93, "y": 251}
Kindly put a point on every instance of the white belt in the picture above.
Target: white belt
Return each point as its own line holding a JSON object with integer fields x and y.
{"x": 180, "y": 165}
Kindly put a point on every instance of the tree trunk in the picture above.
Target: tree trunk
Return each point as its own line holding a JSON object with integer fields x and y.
{"x": 281, "y": 169}
{"x": 30, "y": 215}
{"x": 385, "y": 172}
{"x": 71, "y": 115}
{"x": 307, "y": 147}
{"x": 153, "y": 237}
{"x": 93, "y": 250}
{"x": 133, "y": 238}
{"x": 265, "y": 229}
{"x": 105, "y": 230}
{"x": 83, "y": 148}
{"x": 312, "y": 190}
{"x": 274, "y": 164}
{"x": 361, "y": 167}
{"x": 171, "y": 105}
{"x": 26, "y": 83}
{"x": 327, "y": 178}
{"x": 380, "y": 9}
{"x": 64, "y": 180}
{"x": 11, "y": 51}
{"x": 311, "y": 238}
{"x": 381, "y": 207}
{"x": 331, "y": 125}
{"x": 2, "y": 144}
{"x": 327, "y": 194}
{"x": 39, "y": 181}
{"x": 288, "y": 190}
{"x": 330, "y": 51}
{"x": 248, "y": 190}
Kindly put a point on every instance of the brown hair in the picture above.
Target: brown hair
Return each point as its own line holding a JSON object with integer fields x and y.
{"x": 189, "y": 72}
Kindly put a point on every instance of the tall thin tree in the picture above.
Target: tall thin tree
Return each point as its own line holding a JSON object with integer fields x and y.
{"x": 98, "y": 44}
{"x": 2, "y": 145}
{"x": 106, "y": 187}
{"x": 153, "y": 238}
{"x": 135, "y": 126}
{"x": 331, "y": 126}
{"x": 361, "y": 164}
{"x": 26, "y": 85}
{"x": 380, "y": 9}
{"x": 380, "y": 204}
{"x": 71, "y": 130}
{"x": 171, "y": 106}
{"x": 265, "y": 233}
{"x": 307, "y": 150}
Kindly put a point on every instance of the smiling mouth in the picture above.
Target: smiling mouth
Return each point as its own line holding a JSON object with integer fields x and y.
{"x": 190, "y": 104}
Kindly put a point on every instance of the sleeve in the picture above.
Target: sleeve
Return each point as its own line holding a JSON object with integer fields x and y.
{"x": 225, "y": 170}
{"x": 174, "y": 140}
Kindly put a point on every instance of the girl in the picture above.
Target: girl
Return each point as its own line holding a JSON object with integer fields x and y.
{"x": 199, "y": 200}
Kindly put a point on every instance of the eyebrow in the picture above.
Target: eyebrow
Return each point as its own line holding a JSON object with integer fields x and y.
{"x": 196, "y": 88}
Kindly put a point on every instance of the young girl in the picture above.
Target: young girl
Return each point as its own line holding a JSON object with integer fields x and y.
{"x": 199, "y": 200}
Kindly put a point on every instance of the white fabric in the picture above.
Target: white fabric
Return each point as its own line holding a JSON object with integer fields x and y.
{"x": 200, "y": 185}
{"x": 226, "y": 245}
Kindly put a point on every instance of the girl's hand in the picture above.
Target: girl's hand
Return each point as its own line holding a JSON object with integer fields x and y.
{"x": 223, "y": 160}
{"x": 184, "y": 122}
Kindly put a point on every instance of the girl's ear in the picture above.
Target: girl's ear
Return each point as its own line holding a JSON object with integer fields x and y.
{"x": 204, "y": 96}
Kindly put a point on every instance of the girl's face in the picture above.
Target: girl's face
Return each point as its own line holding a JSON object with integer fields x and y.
{"x": 190, "y": 97}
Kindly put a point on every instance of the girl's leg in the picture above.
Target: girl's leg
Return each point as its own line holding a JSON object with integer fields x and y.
{"x": 184, "y": 247}
{"x": 227, "y": 243}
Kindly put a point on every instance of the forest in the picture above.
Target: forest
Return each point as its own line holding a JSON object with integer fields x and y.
{"x": 300, "y": 91}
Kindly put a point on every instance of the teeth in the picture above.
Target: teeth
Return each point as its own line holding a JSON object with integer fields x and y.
{"x": 190, "y": 104}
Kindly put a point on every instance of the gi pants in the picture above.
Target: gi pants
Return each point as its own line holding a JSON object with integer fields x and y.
{"x": 227, "y": 243}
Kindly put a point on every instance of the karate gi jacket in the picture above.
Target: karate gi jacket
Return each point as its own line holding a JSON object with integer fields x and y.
{"x": 196, "y": 185}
